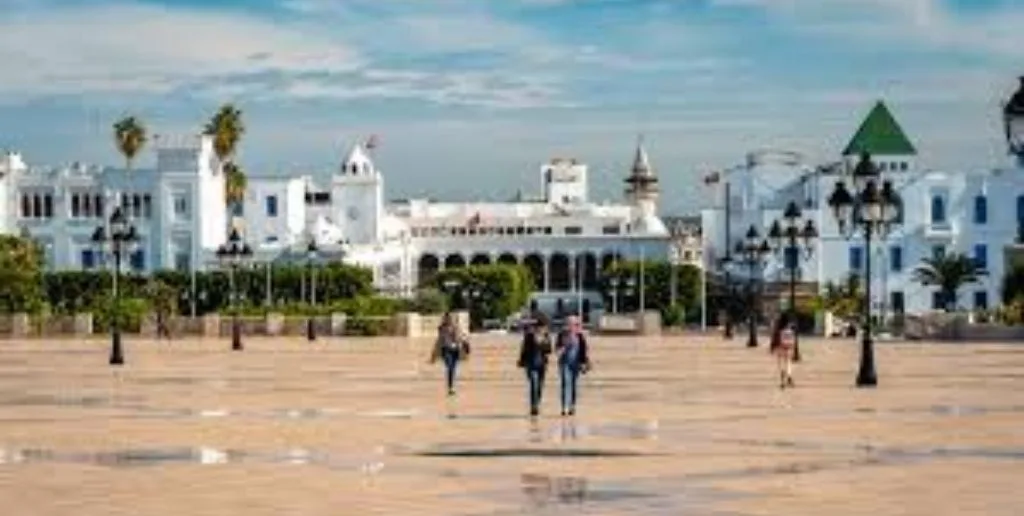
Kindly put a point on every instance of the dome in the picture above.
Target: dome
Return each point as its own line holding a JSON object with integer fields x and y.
{"x": 357, "y": 162}
{"x": 648, "y": 225}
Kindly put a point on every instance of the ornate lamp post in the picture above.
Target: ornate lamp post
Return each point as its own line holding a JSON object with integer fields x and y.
{"x": 874, "y": 211}
{"x": 118, "y": 238}
{"x": 1013, "y": 123}
{"x": 311, "y": 255}
{"x": 793, "y": 237}
{"x": 752, "y": 251}
{"x": 232, "y": 255}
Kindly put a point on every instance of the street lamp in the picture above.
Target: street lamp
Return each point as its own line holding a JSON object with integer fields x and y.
{"x": 791, "y": 236}
{"x": 874, "y": 211}
{"x": 311, "y": 255}
{"x": 1013, "y": 122}
{"x": 752, "y": 251}
{"x": 117, "y": 238}
{"x": 232, "y": 255}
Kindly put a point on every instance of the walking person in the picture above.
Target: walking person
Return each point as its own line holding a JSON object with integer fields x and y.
{"x": 533, "y": 359}
{"x": 451, "y": 347}
{"x": 783, "y": 343}
{"x": 573, "y": 360}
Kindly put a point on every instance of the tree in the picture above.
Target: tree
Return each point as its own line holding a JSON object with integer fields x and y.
{"x": 948, "y": 273}
{"x": 226, "y": 128}
{"x": 129, "y": 137}
{"x": 657, "y": 285}
{"x": 20, "y": 272}
{"x": 843, "y": 299}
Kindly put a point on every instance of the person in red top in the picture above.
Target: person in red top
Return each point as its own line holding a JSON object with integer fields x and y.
{"x": 782, "y": 346}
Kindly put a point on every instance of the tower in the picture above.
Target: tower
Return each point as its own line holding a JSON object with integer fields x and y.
{"x": 642, "y": 184}
{"x": 881, "y": 136}
{"x": 11, "y": 166}
{"x": 357, "y": 195}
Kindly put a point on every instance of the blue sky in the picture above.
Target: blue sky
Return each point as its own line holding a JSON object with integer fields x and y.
{"x": 468, "y": 97}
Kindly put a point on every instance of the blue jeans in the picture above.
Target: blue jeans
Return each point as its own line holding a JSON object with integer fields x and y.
{"x": 451, "y": 359}
{"x": 535, "y": 376}
{"x": 570, "y": 374}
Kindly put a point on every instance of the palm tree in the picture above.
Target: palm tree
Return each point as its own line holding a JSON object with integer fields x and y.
{"x": 226, "y": 128}
{"x": 130, "y": 137}
{"x": 948, "y": 273}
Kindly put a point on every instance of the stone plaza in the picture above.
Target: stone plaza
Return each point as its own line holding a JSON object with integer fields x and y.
{"x": 686, "y": 424}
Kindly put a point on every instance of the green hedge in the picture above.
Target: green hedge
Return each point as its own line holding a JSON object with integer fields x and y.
{"x": 503, "y": 290}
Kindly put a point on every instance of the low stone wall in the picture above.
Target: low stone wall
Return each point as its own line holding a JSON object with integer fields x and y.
{"x": 646, "y": 323}
{"x": 410, "y": 325}
{"x": 958, "y": 328}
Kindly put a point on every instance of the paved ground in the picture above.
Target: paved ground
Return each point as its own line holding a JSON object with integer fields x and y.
{"x": 680, "y": 425}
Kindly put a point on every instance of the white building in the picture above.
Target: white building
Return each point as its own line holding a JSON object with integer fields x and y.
{"x": 563, "y": 237}
{"x": 178, "y": 207}
{"x": 975, "y": 212}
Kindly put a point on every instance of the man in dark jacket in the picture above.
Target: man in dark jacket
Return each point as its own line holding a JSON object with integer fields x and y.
{"x": 573, "y": 360}
{"x": 533, "y": 358}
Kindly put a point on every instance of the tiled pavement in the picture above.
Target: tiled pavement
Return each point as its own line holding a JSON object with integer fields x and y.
{"x": 677, "y": 425}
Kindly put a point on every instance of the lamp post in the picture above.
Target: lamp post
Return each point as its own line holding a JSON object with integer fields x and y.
{"x": 752, "y": 251}
{"x": 1013, "y": 123}
{"x": 117, "y": 238}
{"x": 874, "y": 211}
{"x": 232, "y": 255}
{"x": 793, "y": 237}
{"x": 311, "y": 255}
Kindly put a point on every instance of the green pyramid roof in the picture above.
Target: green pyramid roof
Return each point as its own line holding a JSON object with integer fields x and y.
{"x": 881, "y": 134}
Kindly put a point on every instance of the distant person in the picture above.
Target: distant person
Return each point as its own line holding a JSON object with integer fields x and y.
{"x": 783, "y": 344}
{"x": 573, "y": 360}
{"x": 533, "y": 359}
{"x": 451, "y": 347}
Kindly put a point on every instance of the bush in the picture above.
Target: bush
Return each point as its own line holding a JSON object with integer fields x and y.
{"x": 428, "y": 301}
{"x": 502, "y": 290}
{"x": 130, "y": 314}
{"x": 673, "y": 315}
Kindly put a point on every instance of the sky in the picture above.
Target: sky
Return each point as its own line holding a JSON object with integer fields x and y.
{"x": 469, "y": 97}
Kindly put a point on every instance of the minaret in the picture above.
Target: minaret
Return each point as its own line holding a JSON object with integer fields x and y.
{"x": 642, "y": 184}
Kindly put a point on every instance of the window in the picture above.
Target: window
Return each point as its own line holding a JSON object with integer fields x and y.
{"x": 97, "y": 204}
{"x": 270, "y": 239}
{"x": 271, "y": 203}
{"x": 938, "y": 209}
{"x": 856, "y": 258}
{"x": 147, "y": 206}
{"x": 180, "y": 203}
{"x": 937, "y": 303}
{"x": 573, "y": 230}
{"x": 980, "y": 300}
{"x": 981, "y": 256}
{"x": 138, "y": 260}
{"x": 76, "y": 206}
{"x": 791, "y": 258}
{"x": 88, "y": 259}
{"x": 898, "y": 302}
{"x": 980, "y": 210}
{"x": 938, "y": 252}
{"x": 610, "y": 230}
{"x": 903, "y": 166}
{"x": 237, "y": 209}
{"x": 182, "y": 261}
{"x": 896, "y": 258}
{"x": 48, "y": 206}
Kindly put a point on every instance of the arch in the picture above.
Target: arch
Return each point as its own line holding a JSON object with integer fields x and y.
{"x": 480, "y": 259}
{"x": 535, "y": 264}
{"x": 560, "y": 272}
{"x": 428, "y": 266}
{"x": 587, "y": 270}
{"x": 508, "y": 259}
{"x": 454, "y": 260}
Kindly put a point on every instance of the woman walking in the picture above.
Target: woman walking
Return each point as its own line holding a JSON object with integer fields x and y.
{"x": 533, "y": 358}
{"x": 573, "y": 360}
{"x": 451, "y": 347}
{"x": 782, "y": 344}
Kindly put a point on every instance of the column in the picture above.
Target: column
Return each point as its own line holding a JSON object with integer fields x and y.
{"x": 546, "y": 259}
{"x": 573, "y": 279}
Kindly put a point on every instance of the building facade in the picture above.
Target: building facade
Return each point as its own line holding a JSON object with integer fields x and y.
{"x": 974, "y": 212}
{"x": 179, "y": 209}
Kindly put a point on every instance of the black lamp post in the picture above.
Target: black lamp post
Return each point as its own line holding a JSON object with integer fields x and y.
{"x": 874, "y": 211}
{"x": 117, "y": 237}
{"x": 752, "y": 251}
{"x": 728, "y": 295}
{"x": 232, "y": 255}
{"x": 792, "y": 240}
{"x": 311, "y": 255}
{"x": 1013, "y": 122}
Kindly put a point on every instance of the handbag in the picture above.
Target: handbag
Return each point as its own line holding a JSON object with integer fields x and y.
{"x": 465, "y": 347}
